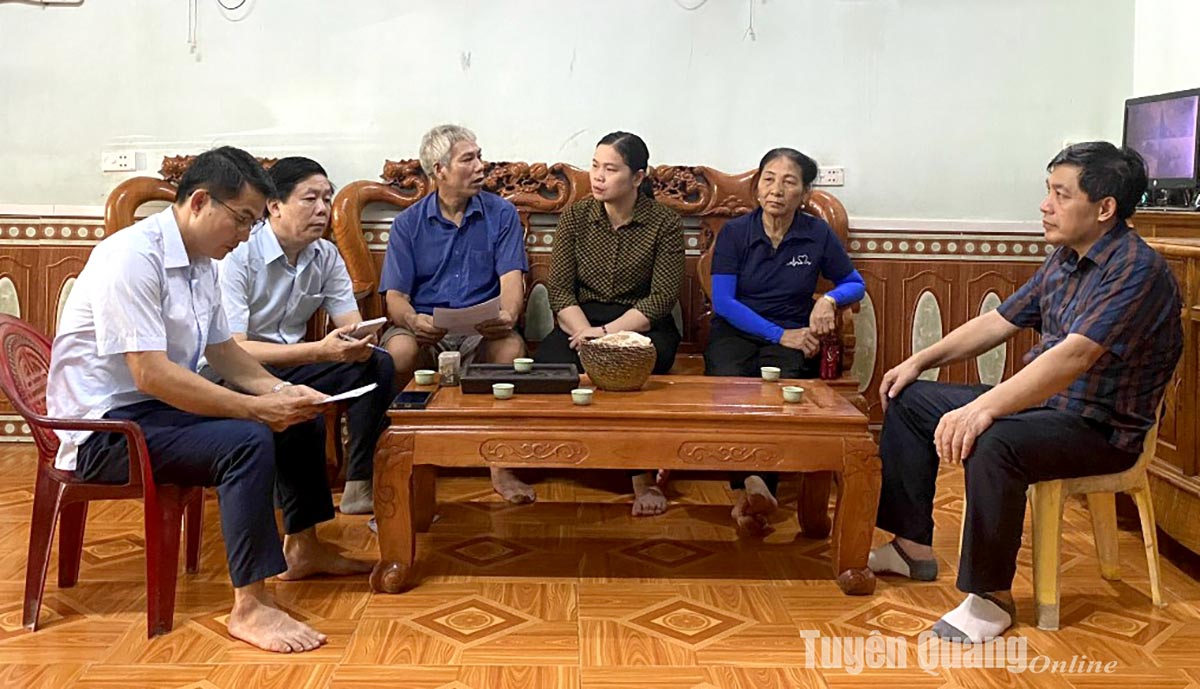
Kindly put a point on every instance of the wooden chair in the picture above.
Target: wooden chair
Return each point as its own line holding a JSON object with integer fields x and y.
{"x": 1046, "y": 500}
{"x": 24, "y": 365}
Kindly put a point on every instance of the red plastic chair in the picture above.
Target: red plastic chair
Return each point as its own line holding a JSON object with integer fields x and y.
{"x": 24, "y": 365}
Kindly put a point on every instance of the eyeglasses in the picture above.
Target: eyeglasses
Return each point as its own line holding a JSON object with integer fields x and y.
{"x": 242, "y": 220}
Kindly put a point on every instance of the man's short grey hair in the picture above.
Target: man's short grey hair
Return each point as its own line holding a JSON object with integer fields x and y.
{"x": 437, "y": 142}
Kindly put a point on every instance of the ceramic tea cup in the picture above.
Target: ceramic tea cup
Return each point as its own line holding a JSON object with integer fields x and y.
{"x": 793, "y": 394}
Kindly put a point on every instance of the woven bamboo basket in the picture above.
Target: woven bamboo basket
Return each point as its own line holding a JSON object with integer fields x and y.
{"x": 618, "y": 368}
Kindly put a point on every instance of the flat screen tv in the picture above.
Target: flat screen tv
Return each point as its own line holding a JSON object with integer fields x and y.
{"x": 1163, "y": 129}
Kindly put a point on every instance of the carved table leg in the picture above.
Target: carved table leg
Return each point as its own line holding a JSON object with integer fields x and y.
{"x": 424, "y": 496}
{"x": 813, "y": 507}
{"x": 394, "y": 513}
{"x": 854, "y": 520}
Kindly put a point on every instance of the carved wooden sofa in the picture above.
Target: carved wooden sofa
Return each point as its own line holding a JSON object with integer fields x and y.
{"x": 705, "y": 198}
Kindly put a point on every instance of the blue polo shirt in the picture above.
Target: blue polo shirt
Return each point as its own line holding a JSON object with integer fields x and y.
{"x": 439, "y": 265}
{"x": 778, "y": 283}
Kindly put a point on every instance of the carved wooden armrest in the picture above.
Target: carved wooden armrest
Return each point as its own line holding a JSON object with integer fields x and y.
{"x": 346, "y": 232}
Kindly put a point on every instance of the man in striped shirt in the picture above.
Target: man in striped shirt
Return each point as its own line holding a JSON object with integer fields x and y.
{"x": 1108, "y": 310}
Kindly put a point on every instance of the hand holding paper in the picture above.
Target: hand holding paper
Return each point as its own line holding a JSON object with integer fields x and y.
{"x": 463, "y": 321}
{"x": 350, "y": 394}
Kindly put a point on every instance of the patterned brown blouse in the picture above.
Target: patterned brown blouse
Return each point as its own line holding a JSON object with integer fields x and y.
{"x": 640, "y": 264}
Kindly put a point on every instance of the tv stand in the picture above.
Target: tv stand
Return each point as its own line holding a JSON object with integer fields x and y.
{"x": 1181, "y": 199}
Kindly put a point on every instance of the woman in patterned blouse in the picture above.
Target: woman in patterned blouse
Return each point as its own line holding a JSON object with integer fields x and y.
{"x": 617, "y": 265}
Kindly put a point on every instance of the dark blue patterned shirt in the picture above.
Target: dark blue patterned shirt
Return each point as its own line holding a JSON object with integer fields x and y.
{"x": 1122, "y": 296}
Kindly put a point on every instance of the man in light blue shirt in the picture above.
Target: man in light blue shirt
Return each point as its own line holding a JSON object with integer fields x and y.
{"x": 273, "y": 284}
{"x": 144, "y": 309}
{"x": 457, "y": 247}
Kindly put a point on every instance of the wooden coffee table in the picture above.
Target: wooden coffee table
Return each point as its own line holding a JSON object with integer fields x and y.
{"x": 674, "y": 422}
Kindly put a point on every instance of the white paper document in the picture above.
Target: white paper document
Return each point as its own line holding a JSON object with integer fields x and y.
{"x": 463, "y": 321}
{"x": 350, "y": 394}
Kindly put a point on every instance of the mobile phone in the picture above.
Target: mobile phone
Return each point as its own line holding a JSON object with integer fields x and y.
{"x": 412, "y": 399}
{"x": 370, "y": 327}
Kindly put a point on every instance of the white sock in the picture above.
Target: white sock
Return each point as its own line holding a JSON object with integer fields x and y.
{"x": 890, "y": 559}
{"x": 885, "y": 558}
{"x": 976, "y": 619}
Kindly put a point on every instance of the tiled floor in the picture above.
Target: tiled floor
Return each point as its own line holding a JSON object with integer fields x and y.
{"x": 573, "y": 592}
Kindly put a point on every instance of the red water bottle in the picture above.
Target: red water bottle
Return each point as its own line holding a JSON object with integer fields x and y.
{"x": 831, "y": 357}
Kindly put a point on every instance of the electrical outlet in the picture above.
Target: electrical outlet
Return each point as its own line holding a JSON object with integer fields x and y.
{"x": 118, "y": 161}
{"x": 831, "y": 176}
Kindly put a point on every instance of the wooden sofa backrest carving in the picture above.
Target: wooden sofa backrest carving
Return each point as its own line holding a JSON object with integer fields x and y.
{"x": 704, "y": 197}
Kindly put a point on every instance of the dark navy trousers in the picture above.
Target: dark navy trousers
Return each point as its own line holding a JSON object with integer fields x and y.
{"x": 244, "y": 460}
{"x": 367, "y": 415}
{"x": 1038, "y": 444}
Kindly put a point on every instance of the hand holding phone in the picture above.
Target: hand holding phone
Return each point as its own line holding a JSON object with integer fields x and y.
{"x": 365, "y": 328}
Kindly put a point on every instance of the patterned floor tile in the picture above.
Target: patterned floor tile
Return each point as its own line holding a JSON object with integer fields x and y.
{"x": 687, "y": 622}
{"x": 471, "y": 621}
{"x": 667, "y": 554}
{"x": 485, "y": 551}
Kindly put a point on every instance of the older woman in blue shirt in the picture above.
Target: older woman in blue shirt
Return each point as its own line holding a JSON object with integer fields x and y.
{"x": 764, "y": 273}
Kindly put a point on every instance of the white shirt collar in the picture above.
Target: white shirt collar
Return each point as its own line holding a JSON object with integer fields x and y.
{"x": 268, "y": 243}
{"x": 269, "y": 247}
{"x": 174, "y": 253}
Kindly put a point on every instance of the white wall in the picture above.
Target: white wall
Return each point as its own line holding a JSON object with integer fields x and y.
{"x": 1166, "y": 49}
{"x": 937, "y": 108}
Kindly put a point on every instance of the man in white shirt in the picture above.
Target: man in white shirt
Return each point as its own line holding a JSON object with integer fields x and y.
{"x": 143, "y": 311}
{"x": 273, "y": 284}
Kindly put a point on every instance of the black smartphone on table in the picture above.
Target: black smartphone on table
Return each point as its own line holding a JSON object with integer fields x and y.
{"x": 412, "y": 399}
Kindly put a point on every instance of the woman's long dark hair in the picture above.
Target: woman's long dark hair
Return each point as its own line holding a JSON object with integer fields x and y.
{"x": 635, "y": 154}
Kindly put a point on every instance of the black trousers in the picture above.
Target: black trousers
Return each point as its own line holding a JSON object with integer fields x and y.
{"x": 243, "y": 459}
{"x": 1034, "y": 445}
{"x": 366, "y": 416}
{"x": 732, "y": 352}
{"x": 556, "y": 348}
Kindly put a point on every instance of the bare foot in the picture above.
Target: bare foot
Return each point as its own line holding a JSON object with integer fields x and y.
{"x": 754, "y": 507}
{"x": 308, "y": 556}
{"x": 648, "y": 498}
{"x": 512, "y": 489}
{"x": 261, "y": 624}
